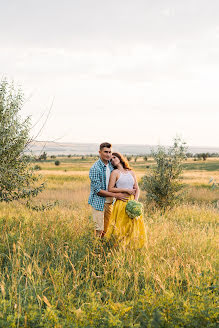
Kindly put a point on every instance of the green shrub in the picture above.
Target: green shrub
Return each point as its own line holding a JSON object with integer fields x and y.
{"x": 43, "y": 156}
{"x": 57, "y": 163}
{"x": 162, "y": 183}
{"x": 18, "y": 180}
{"x": 37, "y": 167}
{"x": 136, "y": 158}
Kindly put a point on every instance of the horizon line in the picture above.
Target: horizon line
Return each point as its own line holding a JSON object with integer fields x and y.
{"x": 121, "y": 144}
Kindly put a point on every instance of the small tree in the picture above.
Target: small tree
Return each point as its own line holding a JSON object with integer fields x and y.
{"x": 162, "y": 184}
{"x": 129, "y": 158}
{"x": 43, "y": 156}
{"x": 57, "y": 163}
{"x": 37, "y": 167}
{"x": 189, "y": 155}
{"x": 204, "y": 156}
{"x": 17, "y": 178}
{"x": 199, "y": 156}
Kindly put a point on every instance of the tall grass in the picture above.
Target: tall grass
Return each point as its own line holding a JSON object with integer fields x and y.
{"x": 55, "y": 274}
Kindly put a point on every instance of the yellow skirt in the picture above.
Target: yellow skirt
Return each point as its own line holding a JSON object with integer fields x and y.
{"x": 123, "y": 229}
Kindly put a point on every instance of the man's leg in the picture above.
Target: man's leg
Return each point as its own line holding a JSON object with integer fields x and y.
{"x": 98, "y": 218}
{"x": 108, "y": 207}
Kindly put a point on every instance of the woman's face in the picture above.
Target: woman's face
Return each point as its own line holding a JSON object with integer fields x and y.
{"x": 115, "y": 160}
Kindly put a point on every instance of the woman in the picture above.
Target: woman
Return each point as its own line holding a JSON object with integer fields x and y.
{"x": 126, "y": 231}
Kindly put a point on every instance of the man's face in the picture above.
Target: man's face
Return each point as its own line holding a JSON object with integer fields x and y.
{"x": 105, "y": 154}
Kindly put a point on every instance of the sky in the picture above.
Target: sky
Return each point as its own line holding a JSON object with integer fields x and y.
{"x": 122, "y": 71}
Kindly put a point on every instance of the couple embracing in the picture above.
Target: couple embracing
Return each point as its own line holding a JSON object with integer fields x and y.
{"x": 112, "y": 179}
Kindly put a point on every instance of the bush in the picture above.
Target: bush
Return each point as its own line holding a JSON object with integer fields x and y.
{"x": 17, "y": 179}
{"x": 37, "y": 167}
{"x": 162, "y": 183}
{"x": 57, "y": 163}
{"x": 43, "y": 156}
{"x": 136, "y": 158}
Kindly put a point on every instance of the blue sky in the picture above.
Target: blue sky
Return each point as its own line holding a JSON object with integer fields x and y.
{"x": 136, "y": 72}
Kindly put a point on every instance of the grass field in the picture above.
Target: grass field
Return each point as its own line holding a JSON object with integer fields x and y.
{"x": 55, "y": 274}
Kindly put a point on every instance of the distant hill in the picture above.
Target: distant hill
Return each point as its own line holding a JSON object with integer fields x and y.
{"x": 66, "y": 148}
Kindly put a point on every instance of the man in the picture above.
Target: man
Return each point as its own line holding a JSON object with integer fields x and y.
{"x": 100, "y": 198}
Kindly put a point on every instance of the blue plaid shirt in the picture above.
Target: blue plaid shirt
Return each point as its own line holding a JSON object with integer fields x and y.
{"x": 97, "y": 177}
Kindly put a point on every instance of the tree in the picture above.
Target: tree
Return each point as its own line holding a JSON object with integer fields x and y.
{"x": 204, "y": 156}
{"x": 162, "y": 183}
{"x": 43, "y": 156}
{"x": 129, "y": 158}
{"x": 189, "y": 155}
{"x": 17, "y": 178}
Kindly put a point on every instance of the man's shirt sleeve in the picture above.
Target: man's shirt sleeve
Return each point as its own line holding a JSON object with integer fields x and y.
{"x": 95, "y": 180}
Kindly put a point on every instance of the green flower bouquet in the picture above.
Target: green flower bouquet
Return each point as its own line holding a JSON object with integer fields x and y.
{"x": 134, "y": 209}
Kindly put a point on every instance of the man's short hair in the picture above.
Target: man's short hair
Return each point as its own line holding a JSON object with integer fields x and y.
{"x": 105, "y": 144}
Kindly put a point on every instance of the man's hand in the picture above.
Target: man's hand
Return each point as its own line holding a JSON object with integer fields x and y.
{"x": 121, "y": 196}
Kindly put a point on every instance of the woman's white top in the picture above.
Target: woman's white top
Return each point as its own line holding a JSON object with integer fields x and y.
{"x": 125, "y": 180}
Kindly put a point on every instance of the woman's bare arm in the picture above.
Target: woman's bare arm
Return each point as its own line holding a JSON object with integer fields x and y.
{"x": 105, "y": 193}
{"x": 112, "y": 182}
{"x": 136, "y": 187}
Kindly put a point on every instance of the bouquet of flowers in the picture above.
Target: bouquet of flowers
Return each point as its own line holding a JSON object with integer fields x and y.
{"x": 134, "y": 209}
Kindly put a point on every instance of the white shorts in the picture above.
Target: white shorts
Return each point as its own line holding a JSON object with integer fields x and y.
{"x": 101, "y": 218}
{"x": 98, "y": 218}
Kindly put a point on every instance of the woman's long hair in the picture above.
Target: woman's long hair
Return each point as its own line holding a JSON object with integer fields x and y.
{"x": 123, "y": 161}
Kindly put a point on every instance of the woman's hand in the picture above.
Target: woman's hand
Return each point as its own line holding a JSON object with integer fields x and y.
{"x": 130, "y": 191}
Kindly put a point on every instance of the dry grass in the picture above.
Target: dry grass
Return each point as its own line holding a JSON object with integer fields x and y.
{"x": 53, "y": 269}
{"x": 202, "y": 195}
{"x": 66, "y": 195}
{"x": 199, "y": 177}
{"x": 63, "y": 172}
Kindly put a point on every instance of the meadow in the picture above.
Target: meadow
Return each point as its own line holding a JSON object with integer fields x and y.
{"x": 54, "y": 273}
